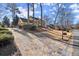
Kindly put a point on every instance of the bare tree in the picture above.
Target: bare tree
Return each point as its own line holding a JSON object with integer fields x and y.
{"x": 33, "y": 11}
{"x": 47, "y": 20}
{"x": 41, "y": 14}
{"x": 12, "y": 8}
{"x": 61, "y": 20}
{"x": 28, "y": 12}
{"x": 58, "y": 10}
{"x": 65, "y": 19}
{"x": 69, "y": 21}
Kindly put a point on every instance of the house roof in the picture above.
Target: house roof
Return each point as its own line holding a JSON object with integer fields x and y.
{"x": 23, "y": 19}
{"x": 34, "y": 18}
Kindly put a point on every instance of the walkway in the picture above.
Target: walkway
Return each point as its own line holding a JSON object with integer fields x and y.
{"x": 38, "y": 44}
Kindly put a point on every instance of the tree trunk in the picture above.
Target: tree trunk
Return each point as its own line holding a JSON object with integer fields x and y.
{"x": 28, "y": 13}
{"x": 57, "y": 14}
{"x": 33, "y": 13}
{"x": 41, "y": 14}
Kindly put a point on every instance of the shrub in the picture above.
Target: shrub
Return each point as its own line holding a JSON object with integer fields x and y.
{"x": 64, "y": 29}
{"x": 33, "y": 27}
{"x": 30, "y": 27}
{"x": 2, "y": 28}
{"x": 27, "y": 26}
{"x": 6, "y": 37}
{"x": 5, "y": 31}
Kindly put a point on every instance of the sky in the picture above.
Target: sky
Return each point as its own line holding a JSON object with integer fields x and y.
{"x": 48, "y": 9}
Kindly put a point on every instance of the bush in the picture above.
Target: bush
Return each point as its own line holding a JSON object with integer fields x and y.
{"x": 30, "y": 27}
{"x": 33, "y": 27}
{"x": 2, "y": 28}
{"x": 5, "y": 34}
{"x": 27, "y": 26}
{"x": 6, "y": 37}
{"x": 5, "y": 31}
{"x": 64, "y": 29}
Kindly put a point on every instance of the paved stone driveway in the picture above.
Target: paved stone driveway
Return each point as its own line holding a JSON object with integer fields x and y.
{"x": 39, "y": 45}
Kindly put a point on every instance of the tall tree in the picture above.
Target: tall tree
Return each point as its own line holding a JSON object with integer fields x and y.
{"x": 47, "y": 19}
{"x": 15, "y": 21}
{"x": 41, "y": 13}
{"x": 33, "y": 11}
{"x": 65, "y": 18}
{"x": 6, "y": 21}
{"x": 12, "y": 8}
{"x": 28, "y": 12}
{"x": 69, "y": 21}
{"x": 57, "y": 13}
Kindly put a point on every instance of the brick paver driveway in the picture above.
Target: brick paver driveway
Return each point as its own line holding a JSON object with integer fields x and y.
{"x": 39, "y": 44}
